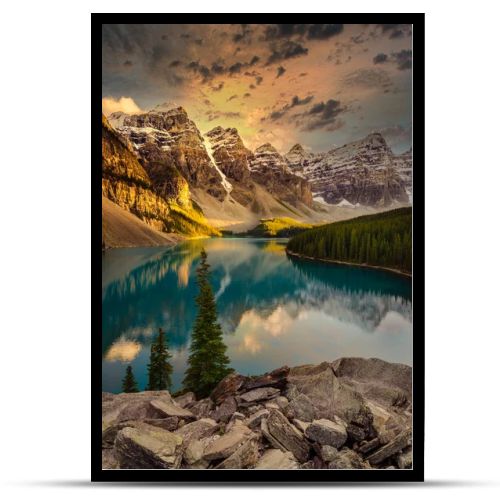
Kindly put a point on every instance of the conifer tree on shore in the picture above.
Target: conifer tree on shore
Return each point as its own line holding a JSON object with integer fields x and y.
{"x": 129, "y": 384}
{"x": 207, "y": 363}
{"x": 159, "y": 368}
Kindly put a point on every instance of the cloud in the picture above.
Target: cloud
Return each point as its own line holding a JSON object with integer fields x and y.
{"x": 380, "y": 58}
{"x": 324, "y": 31}
{"x": 125, "y": 104}
{"x": 218, "y": 87}
{"x": 215, "y": 115}
{"x": 310, "y": 31}
{"x": 128, "y": 63}
{"x": 323, "y": 115}
{"x": 279, "y": 113}
{"x": 402, "y": 59}
{"x": 174, "y": 64}
{"x": 286, "y": 50}
{"x": 232, "y": 97}
{"x": 395, "y": 30}
{"x": 368, "y": 78}
{"x": 280, "y": 71}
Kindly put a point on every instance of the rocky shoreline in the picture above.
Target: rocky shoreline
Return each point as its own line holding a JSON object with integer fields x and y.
{"x": 353, "y": 413}
{"x": 344, "y": 263}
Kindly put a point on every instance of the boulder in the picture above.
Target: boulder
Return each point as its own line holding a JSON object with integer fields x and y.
{"x": 201, "y": 408}
{"x": 109, "y": 460}
{"x": 405, "y": 460}
{"x": 348, "y": 459}
{"x": 255, "y": 419}
{"x": 170, "y": 409}
{"x": 277, "y": 378}
{"x": 328, "y": 453}
{"x": 302, "y": 426}
{"x": 249, "y": 398}
{"x": 197, "y": 430}
{"x": 281, "y": 401}
{"x": 272, "y": 440}
{"x": 301, "y": 408}
{"x": 224, "y": 411}
{"x": 329, "y": 396}
{"x": 228, "y": 386}
{"x": 396, "y": 445}
{"x": 168, "y": 423}
{"x": 277, "y": 459}
{"x": 185, "y": 399}
{"x": 328, "y": 432}
{"x": 244, "y": 457}
{"x": 148, "y": 447}
{"x": 228, "y": 443}
{"x": 288, "y": 435}
{"x": 194, "y": 451}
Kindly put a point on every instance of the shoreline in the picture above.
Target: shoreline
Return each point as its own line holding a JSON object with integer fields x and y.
{"x": 344, "y": 263}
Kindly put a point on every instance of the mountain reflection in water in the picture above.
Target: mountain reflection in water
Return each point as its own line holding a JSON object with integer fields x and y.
{"x": 273, "y": 310}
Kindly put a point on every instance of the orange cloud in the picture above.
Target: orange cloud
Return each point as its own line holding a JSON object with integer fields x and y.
{"x": 125, "y": 104}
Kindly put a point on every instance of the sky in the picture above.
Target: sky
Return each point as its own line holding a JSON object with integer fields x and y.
{"x": 320, "y": 85}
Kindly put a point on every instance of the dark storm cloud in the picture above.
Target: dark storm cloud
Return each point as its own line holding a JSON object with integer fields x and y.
{"x": 324, "y": 31}
{"x": 395, "y": 30}
{"x": 309, "y": 31}
{"x": 128, "y": 63}
{"x": 280, "y": 71}
{"x": 402, "y": 59}
{"x": 245, "y": 35}
{"x": 279, "y": 113}
{"x": 380, "y": 58}
{"x": 175, "y": 64}
{"x": 323, "y": 115}
{"x": 286, "y": 50}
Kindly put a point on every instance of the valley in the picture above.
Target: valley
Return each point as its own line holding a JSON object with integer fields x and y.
{"x": 158, "y": 167}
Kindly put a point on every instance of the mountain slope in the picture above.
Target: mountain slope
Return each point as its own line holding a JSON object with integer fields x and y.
{"x": 123, "y": 229}
{"x": 363, "y": 172}
{"x": 126, "y": 183}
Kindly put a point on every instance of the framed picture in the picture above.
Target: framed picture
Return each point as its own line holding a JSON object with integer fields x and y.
{"x": 258, "y": 231}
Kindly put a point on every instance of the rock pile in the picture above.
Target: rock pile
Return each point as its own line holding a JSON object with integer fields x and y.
{"x": 353, "y": 413}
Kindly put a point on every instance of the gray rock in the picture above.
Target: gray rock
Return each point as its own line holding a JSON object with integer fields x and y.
{"x": 277, "y": 378}
{"x": 245, "y": 457}
{"x": 368, "y": 446}
{"x": 228, "y": 386}
{"x": 186, "y": 399}
{"x": 397, "y": 444}
{"x": 405, "y": 460}
{"x": 194, "y": 452}
{"x": 109, "y": 460}
{"x": 302, "y": 426}
{"x": 170, "y": 409}
{"x": 328, "y": 453}
{"x": 257, "y": 395}
{"x": 168, "y": 423}
{"x": 148, "y": 447}
{"x": 329, "y": 396}
{"x": 271, "y": 405}
{"x": 348, "y": 459}
{"x": 255, "y": 419}
{"x": 329, "y": 432}
{"x": 228, "y": 443}
{"x": 225, "y": 410}
{"x": 281, "y": 401}
{"x": 288, "y": 435}
{"x": 272, "y": 440}
{"x": 277, "y": 459}
{"x": 197, "y": 430}
{"x": 302, "y": 408}
{"x": 202, "y": 408}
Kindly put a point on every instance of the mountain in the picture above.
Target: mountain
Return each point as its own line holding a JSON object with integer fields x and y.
{"x": 126, "y": 183}
{"x": 403, "y": 164}
{"x": 365, "y": 172}
{"x": 172, "y": 139}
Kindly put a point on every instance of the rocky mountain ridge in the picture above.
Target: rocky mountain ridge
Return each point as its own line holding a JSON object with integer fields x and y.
{"x": 364, "y": 172}
{"x": 353, "y": 413}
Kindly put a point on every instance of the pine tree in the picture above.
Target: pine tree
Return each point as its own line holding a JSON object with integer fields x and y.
{"x": 129, "y": 384}
{"x": 159, "y": 368}
{"x": 207, "y": 363}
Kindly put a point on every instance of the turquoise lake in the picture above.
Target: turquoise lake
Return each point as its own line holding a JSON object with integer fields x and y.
{"x": 274, "y": 310}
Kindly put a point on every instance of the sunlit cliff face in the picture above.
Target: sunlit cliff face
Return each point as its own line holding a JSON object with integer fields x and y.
{"x": 319, "y": 85}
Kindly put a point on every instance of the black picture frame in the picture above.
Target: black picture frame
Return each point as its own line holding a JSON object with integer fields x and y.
{"x": 255, "y": 477}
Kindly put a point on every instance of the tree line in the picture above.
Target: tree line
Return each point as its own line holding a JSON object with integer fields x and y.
{"x": 383, "y": 239}
{"x": 208, "y": 363}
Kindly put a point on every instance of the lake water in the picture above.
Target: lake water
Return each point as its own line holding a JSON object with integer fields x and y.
{"x": 273, "y": 310}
